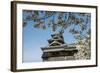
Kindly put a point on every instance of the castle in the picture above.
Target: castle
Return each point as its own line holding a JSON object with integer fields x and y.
{"x": 58, "y": 50}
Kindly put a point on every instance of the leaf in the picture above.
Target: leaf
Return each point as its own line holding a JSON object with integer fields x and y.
{"x": 36, "y": 25}
{"x": 73, "y": 31}
{"x": 42, "y": 11}
{"x": 24, "y": 23}
{"x": 44, "y": 27}
{"x": 84, "y": 27}
{"x": 36, "y": 13}
{"x": 40, "y": 25}
{"x": 28, "y": 18}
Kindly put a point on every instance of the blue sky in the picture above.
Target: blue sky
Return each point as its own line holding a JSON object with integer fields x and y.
{"x": 34, "y": 39}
